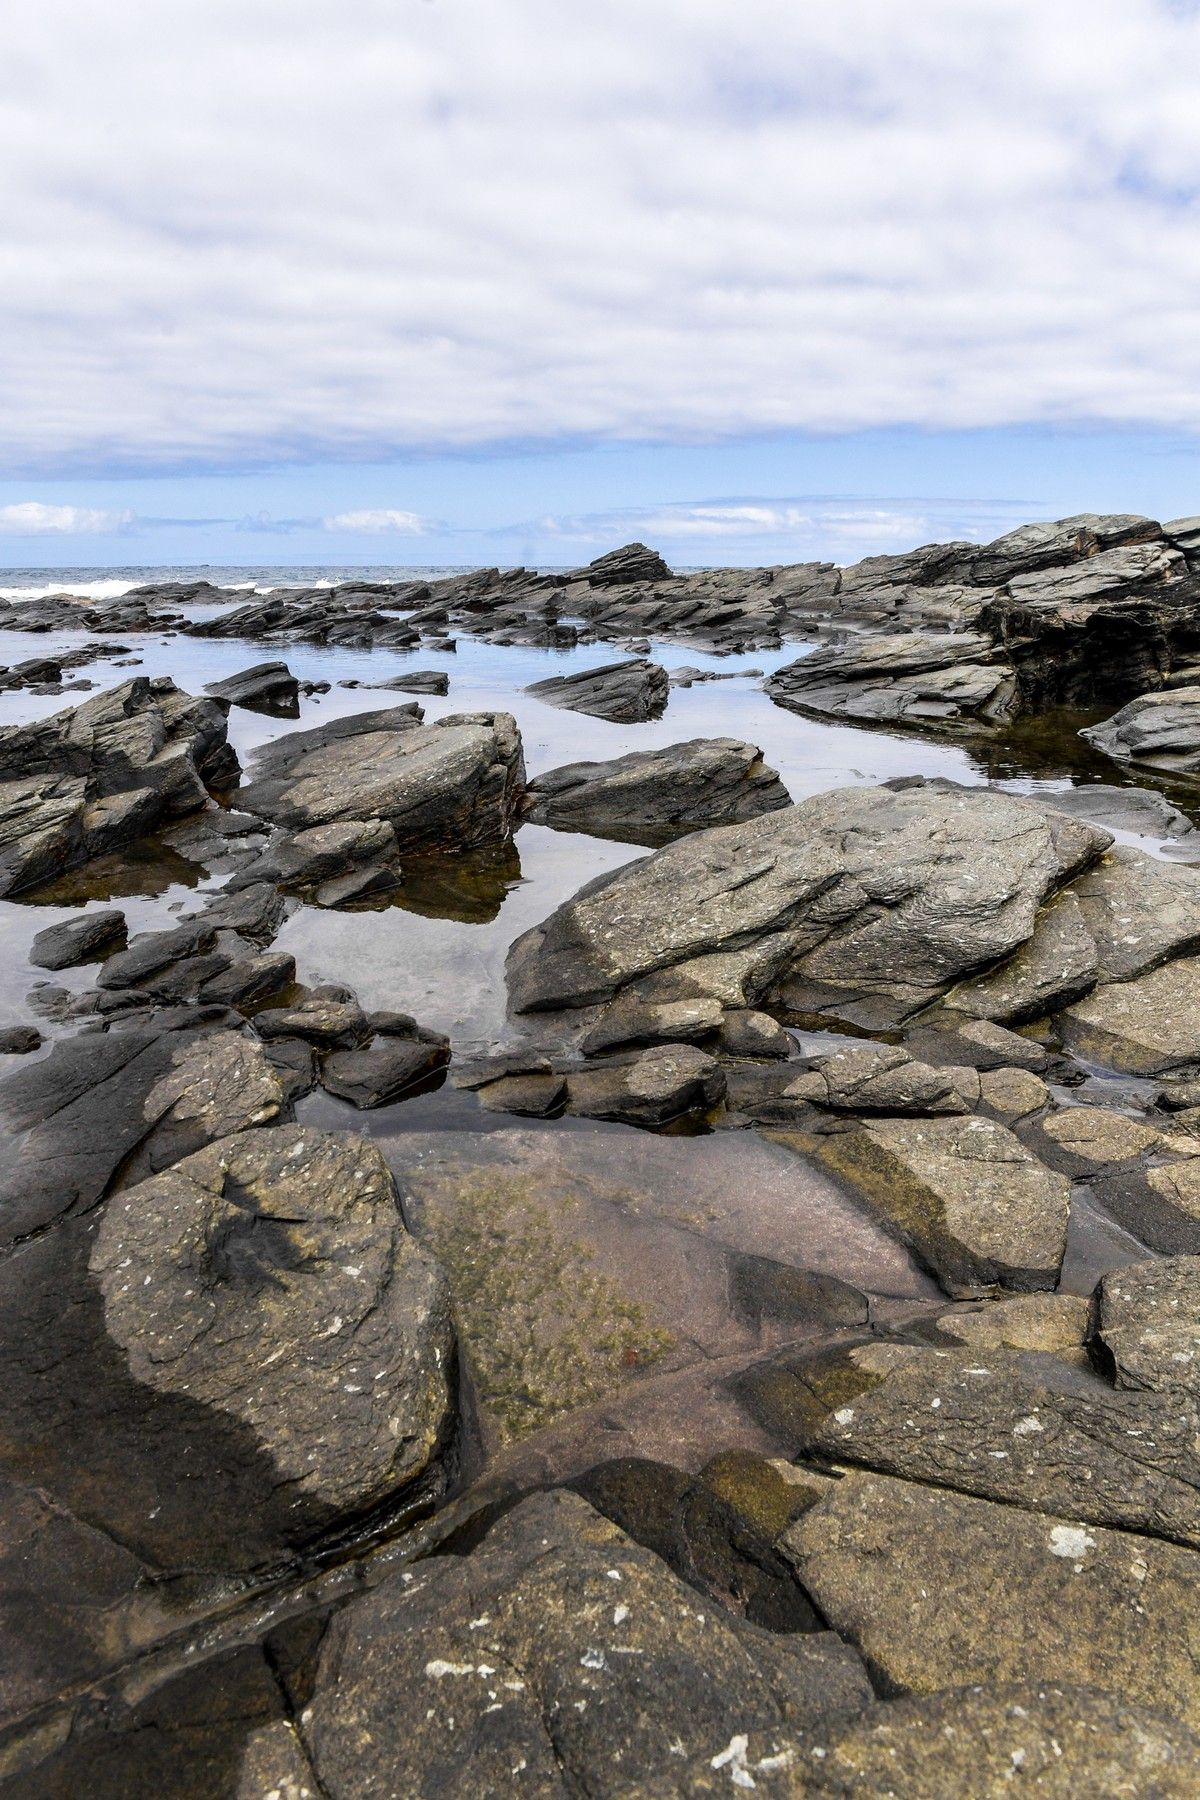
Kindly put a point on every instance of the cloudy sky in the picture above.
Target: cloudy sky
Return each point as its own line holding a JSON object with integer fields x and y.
{"x": 417, "y": 281}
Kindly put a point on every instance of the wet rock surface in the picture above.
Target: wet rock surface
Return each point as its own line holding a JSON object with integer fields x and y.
{"x": 768, "y": 1358}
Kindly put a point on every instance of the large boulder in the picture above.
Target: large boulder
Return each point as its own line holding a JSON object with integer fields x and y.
{"x": 652, "y": 796}
{"x": 268, "y": 687}
{"x": 860, "y": 905}
{"x": 626, "y": 692}
{"x": 938, "y": 1589}
{"x": 559, "y": 1657}
{"x": 88, "y": 780}
{"x": 917, "y": 678}
{"x": 454, "y": 785}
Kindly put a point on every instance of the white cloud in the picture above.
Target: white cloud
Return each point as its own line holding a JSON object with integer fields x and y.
{"x": 267, "y": 229}
{"x": 376, "y": 519}
{"x": 808, "y": 528}
{"x": 31, "y": 518}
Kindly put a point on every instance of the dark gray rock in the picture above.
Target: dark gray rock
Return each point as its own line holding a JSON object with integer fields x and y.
{"x": 561, "y": 1650}
{"x": 1059, "y": 541}
{"x": 78, "y": 940}
{"x": 632, "y": 562}
{"x": 917, "y": 678}
{"x": 455, "y": 785}
{"x": 661, "y": 1084}
{"x": 250, "y": 980}
{"x": 330, "y": 1024}
{"x": 268, "y": 687}
{"x": 19, "y": 1040}
{"x": 651, "y": 796}
{"x": 384, "y": 1070}
{"x": 88, "y": 780}
{"x": 128, "y": 1101}
{"x": 627, "y": 692}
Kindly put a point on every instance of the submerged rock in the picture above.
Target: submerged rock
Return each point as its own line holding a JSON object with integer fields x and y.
{"x": 651, "y": 796}
{"x": 627, "y": 692}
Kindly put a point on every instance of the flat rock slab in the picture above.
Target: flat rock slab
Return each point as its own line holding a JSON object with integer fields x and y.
{"x": 861, "y": 905}
{"x": 625, "y": 692}
{"x": 928, "y": 679}
{"x": 1035, "y": 1598}
{"x": 81, "y": 940}
{"x": 975, "y": 1206}
{"x": 454, "y": 785}
{"x": 1146, "y": 1325}
{"x": 652, "y": 796}
{"x": 1146, "y": 1026}
{"x": 562, "y": 1649}
{"x": 1030, "y": 1431}
{"x": 1059, "y": 1742}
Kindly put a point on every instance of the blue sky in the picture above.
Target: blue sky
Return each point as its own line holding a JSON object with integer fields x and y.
{"x": 427, "y": 281}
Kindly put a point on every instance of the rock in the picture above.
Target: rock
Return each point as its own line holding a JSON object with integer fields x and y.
{"x": 87, "y": 780}
{"x": 659, "y": 1085}
{"x": 349, "y": 859}
{"x": 1026, "y": 1431}
{"x": 671, "y": 1021}
{"x": 413, "y": 681}
{"x": 1058, "y": 964}
{"x": 351, "y": 1400}
{"x": 978, "y": 1044}
{"x": 632, "y": 562}
{"x": 1036, "y": 1598}
{"x": 1142, "y": 811}
{"x": 1062, "y": 1742}
{"x": 745, "y": 1032}
{"x": 454, "y": 785}
{"x": 1139, "y": 911}
{"x": 1091, "y": 1137}
{"x": 128, "y": 1103}
{"x": 518, "y": 1657}
{"x": 1146, "y": 1026}
{"x": 330, "y": 1024}
{"x": 1059, "y": 541}
{"x": 915, "y": 678}
{"x": 1146, "y": 1325}
{"x": 626, "y": 692}
{"x": 77, "y": 940}
{"x": 878, "y": 1080}
{"x": 250, "y": 980}
{"x": 1161, "y": 731}
{"x": 528, "y": 1096}
{"x": 384, "y": 1070}
{"x": 860, "y": 905}
{"x": 976, "y": 1207}
{"x": 19, "y": 1040}
{"x": 652, "y": 796}
{"x": 268, "y": 687}
{"x": 1055, "y": 1323}
{"x": 1012, "y": 1093}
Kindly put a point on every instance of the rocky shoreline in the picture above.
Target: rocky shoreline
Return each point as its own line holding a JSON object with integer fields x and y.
{"x": 779, "y": 1366}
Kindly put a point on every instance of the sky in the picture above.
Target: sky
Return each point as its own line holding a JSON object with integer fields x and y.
{"x": 447, "y": 281}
